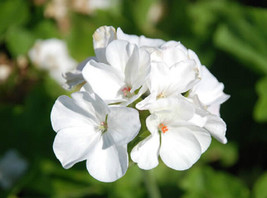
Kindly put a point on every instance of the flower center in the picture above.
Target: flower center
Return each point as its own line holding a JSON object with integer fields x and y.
{"x": 126, "y": 92}
{"x": 161, "y": 95}
{"x": 103, "y": 127}
{"x": 163, "y": 128}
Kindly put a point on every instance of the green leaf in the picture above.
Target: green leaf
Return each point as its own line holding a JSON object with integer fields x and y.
{"x": 19, "y": 41}
{"x": 245, "y": 41}
{"x": 204, "y": 182}
{"x": 226, "y": 154}
{"x": 15, "y": 12}
{"x": 46, "y": 29}
{"x": 260, "y": 113}
{"x": 80, "y": 40}
{"x": 260, "y": 190}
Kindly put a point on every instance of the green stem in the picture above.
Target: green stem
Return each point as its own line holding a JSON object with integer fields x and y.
{"x": 151, "y": 184}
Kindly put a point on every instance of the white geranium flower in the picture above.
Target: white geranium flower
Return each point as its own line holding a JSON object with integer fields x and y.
{"x": 87, "y": 129}
{"x": 177, "y": 142}
{"x": 209, "y": 91}
{"x": 52, "y": 56}
{"x": 123, "y": 77}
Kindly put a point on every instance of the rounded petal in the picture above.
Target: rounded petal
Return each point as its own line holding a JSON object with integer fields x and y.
{"x": 72, "y": 112}
{"x": 178, "y": 107}
{"x": 146, "y": 152}
{"x": 118, "y": 53}
{"x": 107, "y": 165}
{"x": 217, "y": 128}
{"x": 123, "y": 124}
{"x": 209, "y": 90}
{"x": 179, "y": 148}
{"x": 185, "y": 75}
{"x": 104, "y": 80}
{"x": 72, "y": 145}
{"x": 202, "y": 136}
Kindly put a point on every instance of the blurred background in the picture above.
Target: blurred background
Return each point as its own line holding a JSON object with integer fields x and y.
{"x": 38, "y": 36}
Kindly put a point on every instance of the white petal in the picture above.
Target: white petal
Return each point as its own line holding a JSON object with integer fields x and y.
{"x": 146, "y": 152}
{"x": 185, "y": 75}
{"x": 104, "y": 80}
{"x": 118, "y": 53}
{"x": 123, "y": 124}
{"x": 139, "y": 78}
{"x": 214, "y": 109}
{"x": 209, "y": 90}
{"x": 147, "y": 102}
{"x": 178, "y": 107}
{"x": 179, "y": 148}
{"x": 202, "y": 135}
{"x": 101, "y": 38}
{"x": 72, "y": 145}
{"x": 217, "y": 128}
{"x": 107, "y": 165}
{"x": 173, "y": 54}
{"x": 72, "y": 112}
{"x": 75, "y": 77}
{"x": 139, "y": 41}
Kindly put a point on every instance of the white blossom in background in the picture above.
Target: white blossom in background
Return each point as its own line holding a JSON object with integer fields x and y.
{"x": 164, "y": 79}
{"x": 52, "y": 55}
{"x": 5, "y": 71}
{"x": 87, "y": 129}
{"x": 91, "y": 6}
{"x": 12, "y": 167}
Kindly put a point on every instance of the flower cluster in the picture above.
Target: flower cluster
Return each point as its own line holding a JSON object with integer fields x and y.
{"x": 128, "y": 78}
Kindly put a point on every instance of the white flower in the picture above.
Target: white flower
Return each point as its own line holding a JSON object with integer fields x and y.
{"x": 176, "y": 141}
{"x": 12, "y": 167}
{"x": 209, "y": 91}
{"x": 5, "y": 71}
{"x": 87, "y": 129}
{"x": 52, "y": 56}
{"x": 123, "y": 77}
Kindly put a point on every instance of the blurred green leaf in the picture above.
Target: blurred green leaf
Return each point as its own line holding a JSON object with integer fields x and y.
{"x": 19, "y": 41}
{"x": 46, "y": 29}
{"x": 245, "y": 40}
{"x": 204, "y": 182}
{"x": 15, "y": 12}
{"x": 260, "y": 187}
{"x": 260, "y": 113}
{"x": 226, "y": 154}
{"x": 140, "y": 13}
{"x": 80, "y": 39}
